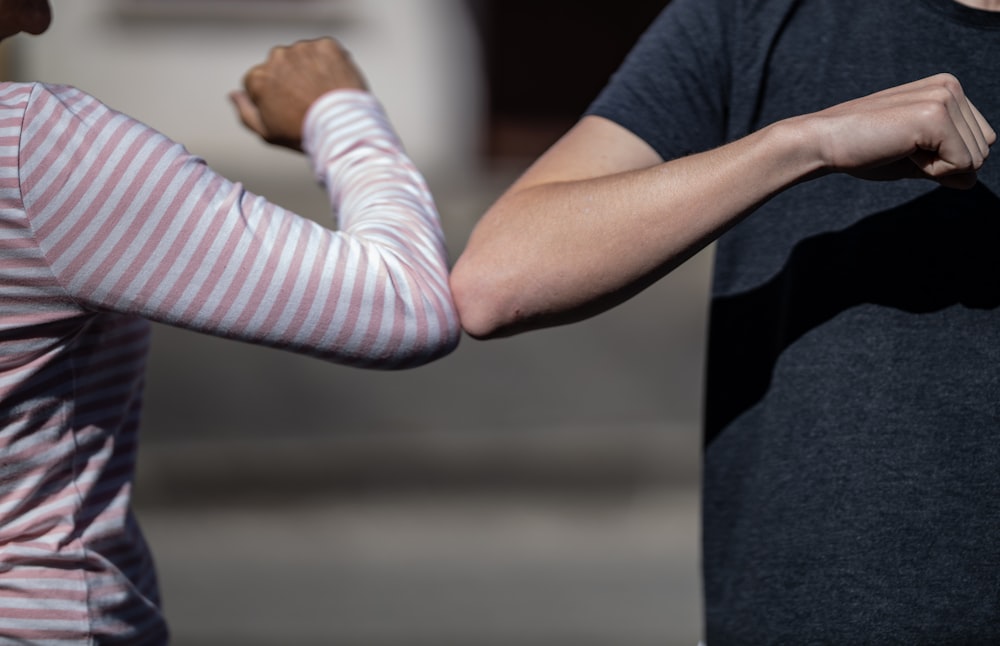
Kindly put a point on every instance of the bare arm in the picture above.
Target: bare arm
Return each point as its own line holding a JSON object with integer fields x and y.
{"x": 600, "y": 216}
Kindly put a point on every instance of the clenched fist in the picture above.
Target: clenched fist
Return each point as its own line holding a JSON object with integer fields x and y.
{"x": 277, "y": 93}
{"x": 928, "y": 128}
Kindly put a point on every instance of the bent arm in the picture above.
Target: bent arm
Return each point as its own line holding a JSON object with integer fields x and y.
{"x": 157, "y": 233}
{"x": 600, "y": 216}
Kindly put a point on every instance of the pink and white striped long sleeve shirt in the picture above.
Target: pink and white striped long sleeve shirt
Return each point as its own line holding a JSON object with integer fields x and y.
{"x": 106, "y": 224}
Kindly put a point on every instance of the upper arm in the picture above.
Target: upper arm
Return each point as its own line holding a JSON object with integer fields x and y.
{"x": 594, "y": 147}
{"x": 537, "y": 231}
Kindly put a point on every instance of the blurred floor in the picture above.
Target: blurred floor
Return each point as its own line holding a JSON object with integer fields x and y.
{"x": 441, "y": 570}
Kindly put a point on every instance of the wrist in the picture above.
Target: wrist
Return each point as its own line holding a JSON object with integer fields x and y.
{"x": 337, "y": 121}
{"x": 798, "y": 142}
{"x": 314, "y": 124}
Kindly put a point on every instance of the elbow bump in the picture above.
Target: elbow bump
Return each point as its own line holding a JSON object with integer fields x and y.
{"x": 479, "y": 312}
{"x": 431, "y": 344}
{"x": 472, "y": 311}
{"x": 438, "y": 336}
{"x": 476, "y": 326}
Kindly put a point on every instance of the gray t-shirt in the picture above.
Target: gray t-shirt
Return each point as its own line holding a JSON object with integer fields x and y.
{"x": 852, "y": 431}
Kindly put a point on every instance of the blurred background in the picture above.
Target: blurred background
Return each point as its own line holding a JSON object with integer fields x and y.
{"x": 539, "y": 490}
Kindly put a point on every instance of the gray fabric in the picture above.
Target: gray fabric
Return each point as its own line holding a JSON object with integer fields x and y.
{"x": 852, "y": 444}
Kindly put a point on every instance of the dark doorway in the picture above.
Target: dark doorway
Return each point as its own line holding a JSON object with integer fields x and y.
{"x": 546, "y": 60}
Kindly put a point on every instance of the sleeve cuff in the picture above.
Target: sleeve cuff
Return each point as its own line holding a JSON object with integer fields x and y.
{"x": 339, "y": 120}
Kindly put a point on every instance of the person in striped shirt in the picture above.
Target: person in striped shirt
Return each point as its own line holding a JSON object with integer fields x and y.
{"x": 106, "y": 225}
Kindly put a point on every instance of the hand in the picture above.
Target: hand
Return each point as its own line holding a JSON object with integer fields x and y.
{"x": 927, "y": 128}
{"x": 277, "y": 93}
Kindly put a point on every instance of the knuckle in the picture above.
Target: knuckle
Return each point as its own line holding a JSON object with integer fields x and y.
{"x": 935, "y": 109}
{"x": 253, "y": 78}
{"x": 333, "y": 47}
{"x": 964, "y": 163}
{"x": 948, "y": 79}
{"x": 950, "y": 84}
{"x": 277, "y": 52}
{"x": 941, "y": 94}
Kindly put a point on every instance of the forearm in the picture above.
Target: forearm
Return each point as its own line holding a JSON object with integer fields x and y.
{"x": 389, "y": 221}
{"x": 556, "y": 251}
{"x": 387, "y": 299}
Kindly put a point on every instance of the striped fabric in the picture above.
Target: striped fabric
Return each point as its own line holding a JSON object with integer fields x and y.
{"x": 106, "y": 224}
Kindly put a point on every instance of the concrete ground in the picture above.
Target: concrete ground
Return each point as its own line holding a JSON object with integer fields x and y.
{"x": 438, "y": 570}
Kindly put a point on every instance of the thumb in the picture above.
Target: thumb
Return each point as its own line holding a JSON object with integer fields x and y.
{"x": 248, "y": 112}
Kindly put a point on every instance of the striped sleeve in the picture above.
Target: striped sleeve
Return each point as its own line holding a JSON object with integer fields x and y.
{"x": 131, "y": 222}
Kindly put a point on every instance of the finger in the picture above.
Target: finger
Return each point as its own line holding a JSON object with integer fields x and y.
{"x": 973, "y": 118}
{"x": 974, "y": 122}
{"x": 248, "y": 113}
{"x": 920, "y": 85}
{"x": 277, "y": 54}
{"x": 968, "y": 130}
{"x": 944, "y": 169}
{"x": 989, "y": 133}
{"x": 254, "y": 80}
{"x": 965, "y": 116}
{"x": 970, "y": 123}
{"x": 946, "y": 144}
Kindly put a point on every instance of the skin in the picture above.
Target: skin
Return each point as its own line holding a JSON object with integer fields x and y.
{"x": 986, "y": 5}
{"x": 29, "y": 16}
{"x": 277, "y": 93}
{"x": 600, "y": 216}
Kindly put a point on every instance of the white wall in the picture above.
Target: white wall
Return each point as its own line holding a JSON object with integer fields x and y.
{"x": 420, "y": 57}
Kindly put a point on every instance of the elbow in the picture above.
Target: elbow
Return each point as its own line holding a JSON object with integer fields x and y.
{"x": 429, "y": 327}
{"x": 413, "y": 330}
{"x": 437, "y": 335}
{"x": 436, "y": 346}
{"x": 422, "y": 345}
{"x": 397, "y": 355}
{"x": 483, "y": 310}
{"x": 476, "y": 321}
